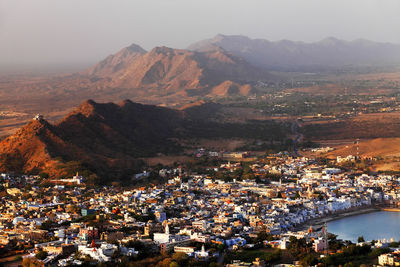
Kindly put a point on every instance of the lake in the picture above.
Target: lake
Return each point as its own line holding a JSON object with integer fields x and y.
{"x": 374, "y": 225}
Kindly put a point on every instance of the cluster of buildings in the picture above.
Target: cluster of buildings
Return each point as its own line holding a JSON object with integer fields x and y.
{"x": 389, "y": 259}
{"x": 72, "y": 222}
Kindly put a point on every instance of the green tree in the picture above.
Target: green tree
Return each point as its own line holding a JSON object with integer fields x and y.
{"x": 46, "y": 225}
{"x": 41, "y": 255}
{"x": 309, "y": 260}
{"x": 180, "y": 258}
{"x": 261, "y": 236}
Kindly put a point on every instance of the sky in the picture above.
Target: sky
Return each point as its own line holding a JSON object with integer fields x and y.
{"x": 78, "y": 33}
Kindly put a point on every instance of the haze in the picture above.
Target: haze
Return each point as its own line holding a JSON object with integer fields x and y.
{"x": 73, "y": 34}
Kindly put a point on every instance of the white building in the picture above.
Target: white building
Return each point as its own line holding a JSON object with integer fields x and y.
{"x": 103, "y": 253}
{"x": 166, "y": 237}
{"x": 320, "y": 245}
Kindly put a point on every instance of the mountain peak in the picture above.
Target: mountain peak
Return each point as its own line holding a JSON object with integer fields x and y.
{"x": 125, "y": 103}
{"x": 162, "y": 50}
{"x": 218, "y": 41}
{"x": 37, "y": 125}
{"x": 87, "y": 108}
{"x": 219, "y": 37}
{"x": 331, "y": 41}
{"x": 31, "y": 130}
{"x": 136, "y": 48}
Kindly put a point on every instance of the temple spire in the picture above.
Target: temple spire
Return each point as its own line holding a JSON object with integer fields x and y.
{"x": 167, "y": 229}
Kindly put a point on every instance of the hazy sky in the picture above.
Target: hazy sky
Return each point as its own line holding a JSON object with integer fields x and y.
{"x": 73, "y": 32}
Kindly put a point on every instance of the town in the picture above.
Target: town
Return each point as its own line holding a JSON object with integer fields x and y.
{"x": 264, "y": 205}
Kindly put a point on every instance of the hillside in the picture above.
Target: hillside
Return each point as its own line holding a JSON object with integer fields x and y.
{"x": 165, "y": 71}
{"x": 106, "y": 140}
{"x": 103, "y": 138}
{"x": 379, "y": 147}
{"x": 285, "y": 55}
{"x": 365, "y": 126}
{"x": 120, "y": 60}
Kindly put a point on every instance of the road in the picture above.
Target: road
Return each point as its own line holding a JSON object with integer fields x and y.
{"x": 298, "y": 136}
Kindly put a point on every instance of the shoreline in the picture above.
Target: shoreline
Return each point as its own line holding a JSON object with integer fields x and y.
{"x": 319, "y": 222}
{"x": 390, "y": 209}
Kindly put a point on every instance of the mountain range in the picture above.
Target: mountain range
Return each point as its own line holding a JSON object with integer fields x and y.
{"x": 220, "y": 67}
{"x": 229, "y": 65}
{"x": 330, "y": 53}
{"x": 165, "y": 71}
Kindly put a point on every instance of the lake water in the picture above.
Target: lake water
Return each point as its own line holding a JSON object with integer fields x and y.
{"x": 374, "y": 225}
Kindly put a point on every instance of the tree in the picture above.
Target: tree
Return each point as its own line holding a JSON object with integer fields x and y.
{"x": 180, "y": 258}
{"x": 41, "y": 255}
{"x": 309, "y": 260}
{"x": 174, "y": 264}
{"x": 44, "y": 175}
{"x": 221, "y": 247}
{"x": 31, "y": 262}
{"x": 18, "y": 258}
{"x": 360, "y": 239}
{"x": 261, "y": 236}
{"x": 164, "y": 263}
{"x": 46, "y": 225}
